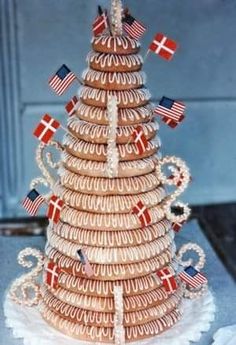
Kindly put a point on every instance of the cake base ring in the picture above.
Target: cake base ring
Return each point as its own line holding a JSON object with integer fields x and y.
{"x": 27, "y": 324}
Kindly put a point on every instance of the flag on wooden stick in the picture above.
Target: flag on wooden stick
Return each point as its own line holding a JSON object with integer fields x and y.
{"x": 168, "y": 279}
{"x": 101, "y": 22}
{"x": 143, "y": 213}
{"x": 52, "y": 275}
{"x": 46, "y": 128}
{"x": 32, "y": 202}
{"x": 71, "y": 106}
{"x": 62, "y": 79}
{"x": 140, "y": 139}
{"x": 171, "y": 111}
{"x": 84, "y": 261}
{"x": 133, "y": 27}
{"x": 163, "y": 46}
{"x": 54, "y": 208}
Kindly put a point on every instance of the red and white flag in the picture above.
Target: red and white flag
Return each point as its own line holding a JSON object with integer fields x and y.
{"x": 132, "y": 27}
{"x": 171, "y": 111}
{"x": 84, "y": 261}
{"x": 163, "y": 46}
{"x": 32, "y": 202}
{"x": 52, "y": 275}
{"x": 140, "y": 139}
{"x": 176, "y": 226}
{"x": 72, "y": 105}
{"x": 54, "y": 208}
{"x": 101, "y": 22}
{"x": 143, "y": 213}
{"x": 193, "y": 277}
{"x": 168, "y": 279}
{"x": 61, "y": 80}
{"x": 46, "y": 128}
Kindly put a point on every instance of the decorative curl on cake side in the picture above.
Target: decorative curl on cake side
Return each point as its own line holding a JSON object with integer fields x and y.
{"x": 25, "y": 290}
{"x": 116, "y": 17}
{"x": 119, "y": 315}
{"x": 180, "y": 172}
{"x": 189, "y": 292}
{"x": 43, "y": 158}
{"x": 112, "y": 150}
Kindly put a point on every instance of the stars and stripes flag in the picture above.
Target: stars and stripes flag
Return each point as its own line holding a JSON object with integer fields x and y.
{"x": 192, "y": 277}
{"x": 72, "y": 105}
{"x": 54, "y": 208}
{"x": 163, "y": 46}
{"x": 52, "y": 274}
{"x": 168, "y": 279}
{"x": 101, "y": 22}
{"x": 171, "y": 111}
{"x": 132, "y": 27}
{"x": 62, "y": 79}
{"x": 84, "y": 261}
{"x": 46, "y": 128}
{"x": 32, "y": 202}
{"x": 142, "y": 212}
{"x": 140, "y": 139}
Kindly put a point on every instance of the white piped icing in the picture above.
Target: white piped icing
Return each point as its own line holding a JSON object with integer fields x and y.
{"x": 108, "y": 60}
{"x": 94, "y": 133}
{"x": 115, "y": 41}
{"x": 82, "y": 148}
{"x": 126, "y": 98}
{"x": 98, "y": 169}
{"x": 113, "y": 255}
{"x": 112, "y": 238}
{"x": 105, "y": 186}
{"x": 125, "y": 115}
{"x": 110, "y": 203}
{"x": 125, "y": 79}
{"x": 110, "y": 272}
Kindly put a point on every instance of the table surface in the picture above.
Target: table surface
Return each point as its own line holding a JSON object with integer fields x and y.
{"x": 221, "y": 283}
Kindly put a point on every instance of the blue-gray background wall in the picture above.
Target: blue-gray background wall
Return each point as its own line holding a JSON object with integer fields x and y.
{"x": 38, "y": 36}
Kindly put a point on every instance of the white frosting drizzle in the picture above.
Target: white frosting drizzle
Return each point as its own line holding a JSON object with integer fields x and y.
{"x": 111, "y": 272}
{"x": 104, "y": 60}
{"x": 105, "y": 186}
{"x": 124, "y": 98}
{"x": 124, "y": 114}
{"x": 112, "y": 150}
{"x": 110, "y": 203}
{"x": 126, "y": 79}
{"x": 93, "y": 132}
{"x": 94, "y": 168}
{"x": 79, "y": 330}
{"x": 112, "y": 238}
{"x": 83, "y": 147}
{"x": 115, "y": 42}
{"x": 104, "y": 255}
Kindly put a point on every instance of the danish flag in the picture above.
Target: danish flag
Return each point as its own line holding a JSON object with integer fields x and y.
{"x": 168, "y": 279}
{"x": 101, "y": 22}
{"x": 176, "y": 226}
{"x": 46, "y": 128}
{"x": 163, "y": 46}
{"x": 84, "y": 261}
{"x": 52, "y": 274}
{"x": 140, "y": 139}
{"x": 72, "y": 105}
{"x": 192, "y": 277}
{"x": 142, "y": 212}
{"x": 54, "y": 208}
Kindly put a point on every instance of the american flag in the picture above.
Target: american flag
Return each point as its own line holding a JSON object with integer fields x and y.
{"x": 132, "y": 27}
{"x": 46, "y": 128}
{"x": 101, "y": 22}
{"x": 192, "y": 277}
{"x": 62, "y": 79}
{"x": 163, "y": 46}
{"x": 172, "y": 112}
{"x": 52, "y": 275}
{"x": 140, "y": 139}
{"x": 84, "y": 261}
{"x": 168, "y": 279}
{"x": 142, "y": 212}
{"x": 32, "y": 202}
{"x": 54, "y": 208}
{"x": 72, "y": 105}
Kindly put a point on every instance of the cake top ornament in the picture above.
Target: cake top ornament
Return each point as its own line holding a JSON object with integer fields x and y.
{"x": 116, "y": 17}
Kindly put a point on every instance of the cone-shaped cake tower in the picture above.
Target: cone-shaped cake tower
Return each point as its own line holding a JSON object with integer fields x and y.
{"x": 113, "y": 209}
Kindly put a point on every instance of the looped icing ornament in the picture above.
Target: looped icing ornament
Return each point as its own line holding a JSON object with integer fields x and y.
{"x": 179, "y": 172}
{"x": 25, "y": 290}
{"x": 189, "y": 292}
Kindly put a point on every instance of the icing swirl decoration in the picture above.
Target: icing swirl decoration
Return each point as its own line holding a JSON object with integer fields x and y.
{"x": 112, "y": 151}
{"x": 119, "y": 315}
{"x": 25, "y": 290}
{"x": 179, "y": 172}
